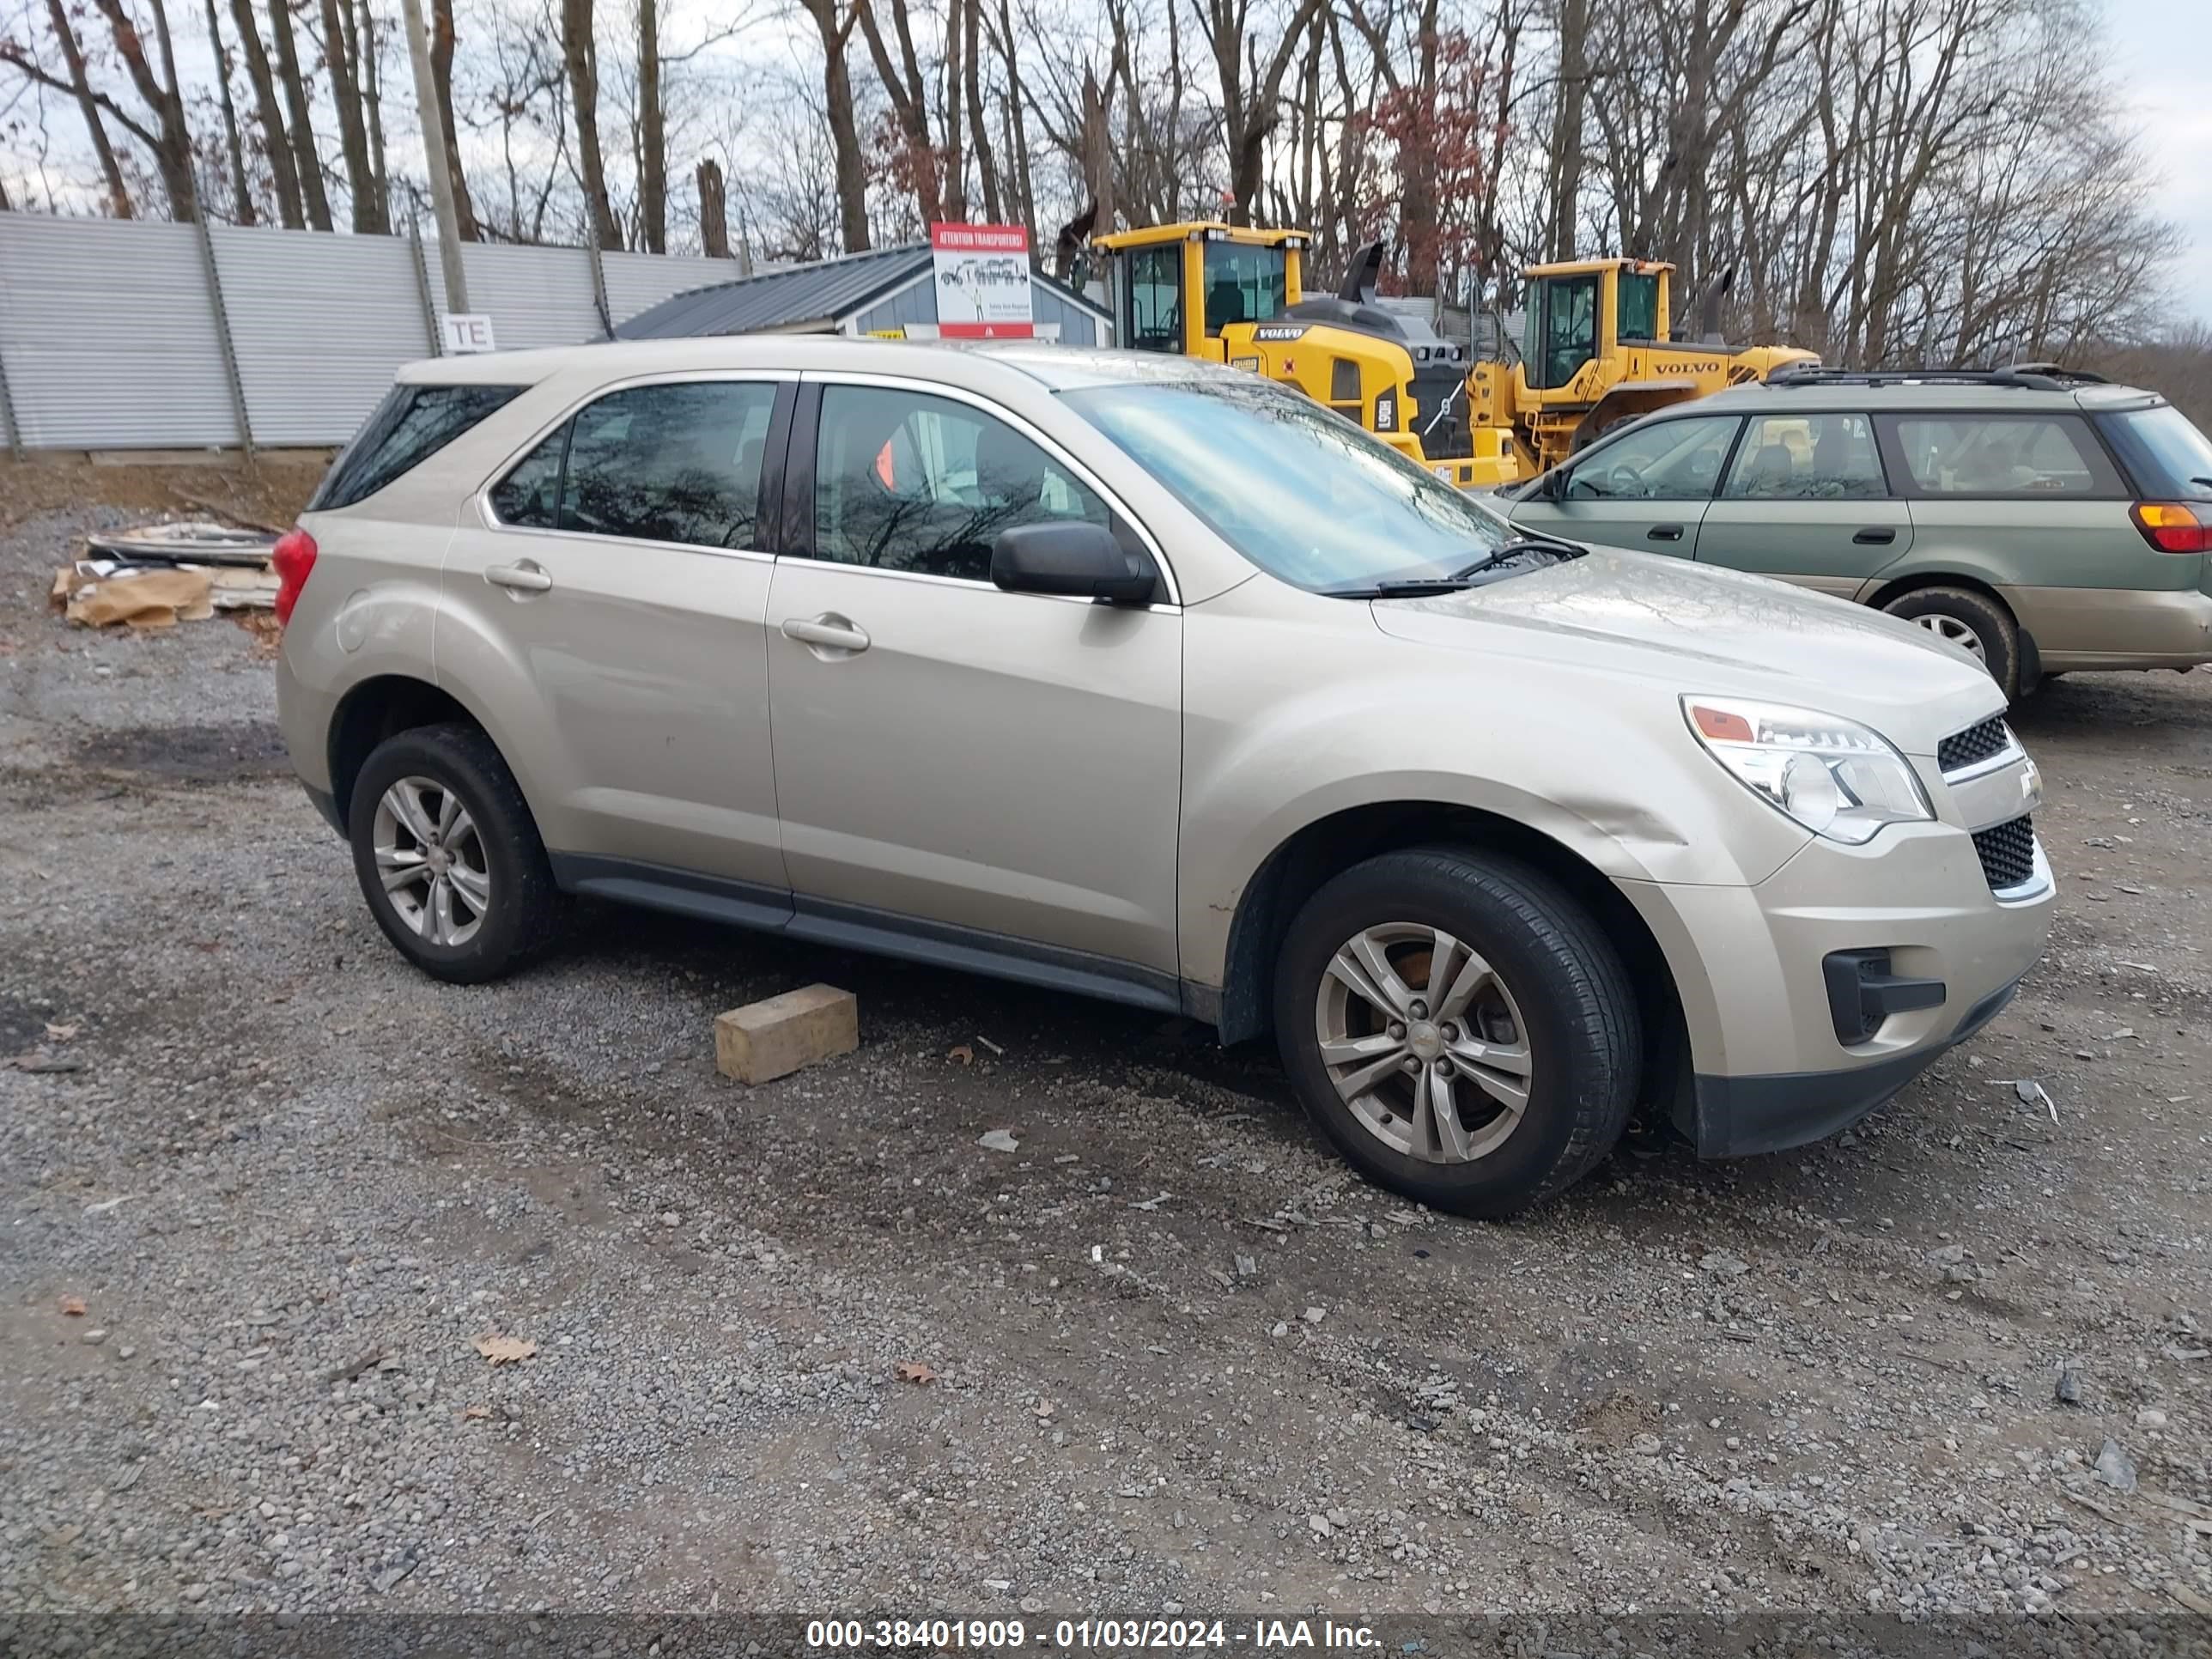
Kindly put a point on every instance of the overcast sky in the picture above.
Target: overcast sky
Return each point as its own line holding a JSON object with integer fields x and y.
{"x": 2161, "y": 49}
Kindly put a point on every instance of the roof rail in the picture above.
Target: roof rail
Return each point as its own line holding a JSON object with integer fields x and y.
{"x": 2029, "y": 377}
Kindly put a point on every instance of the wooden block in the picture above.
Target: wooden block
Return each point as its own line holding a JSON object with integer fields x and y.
{"x": 771, "y": 1039}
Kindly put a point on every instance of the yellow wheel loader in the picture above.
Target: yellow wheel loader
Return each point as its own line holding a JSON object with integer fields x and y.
{"x": 1234, "y": 294}
{"x": 1597, "y": 348}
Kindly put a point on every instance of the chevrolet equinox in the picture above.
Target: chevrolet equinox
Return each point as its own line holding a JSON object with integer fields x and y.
{"x": 1157, "y": 683}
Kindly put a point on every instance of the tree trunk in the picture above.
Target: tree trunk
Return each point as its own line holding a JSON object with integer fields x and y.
{"x": 653, "y": 146}
{"x": 909, "y": 100}
{"x": 170, "y": 138}
{"x": 276, "y": 142}
{"x": 241, "y": 193}
{"x": 1098, "y": 153}
{"x": 844, "y": 125}
{"x": 372, "y": 98}
{"x": 118, "y": 198}
{"x": 713, "y": 213}
{"x": 986, "y": 165}
{"x": 580, "y": 53}
{"x": 956, "y": 86}
{"x": 298, "y": 118}
{"x": 1566, "y": 158}
{"x": 352, "y": 125}
{"x": 441, "y": 78}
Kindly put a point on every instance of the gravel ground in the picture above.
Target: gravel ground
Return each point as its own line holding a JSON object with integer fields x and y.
{"x": 1176, "y": 1356}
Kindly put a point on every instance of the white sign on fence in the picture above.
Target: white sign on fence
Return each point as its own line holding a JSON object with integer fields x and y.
{"x": 467, "y": 331}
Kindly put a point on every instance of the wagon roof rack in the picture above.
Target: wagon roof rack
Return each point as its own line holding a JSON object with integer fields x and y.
{"x": 2030, "y": 377}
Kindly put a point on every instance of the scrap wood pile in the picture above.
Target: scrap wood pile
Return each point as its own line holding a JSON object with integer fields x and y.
{"x": 160, "y": 574}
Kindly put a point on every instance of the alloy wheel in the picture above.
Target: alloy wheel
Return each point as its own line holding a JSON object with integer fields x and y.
{"x": 430, "y": 858}
{"x": 1424, "y": 1041}
{"x": 1954, "y": 632}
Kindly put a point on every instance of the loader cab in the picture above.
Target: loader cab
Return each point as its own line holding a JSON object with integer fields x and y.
{"x": 1580, "y": 311}
{"x": 1174, "y": 288}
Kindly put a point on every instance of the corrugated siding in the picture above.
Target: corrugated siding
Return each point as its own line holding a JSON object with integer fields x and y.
{"x": 1077, "y": 326}
{"x": 638, "y": 282}
{"x": 535, "y": 296}
{"x": 109, "y": 335}
{"x": 319, "y": 323}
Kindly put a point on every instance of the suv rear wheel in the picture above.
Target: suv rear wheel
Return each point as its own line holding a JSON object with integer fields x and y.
{"x": 1459, "y": 1027}
{"x": 1974, "y": 621}
{"x": 448, "y": 856}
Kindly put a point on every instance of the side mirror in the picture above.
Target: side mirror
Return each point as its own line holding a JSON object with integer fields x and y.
{"x": 1553, "y": 486}
{"x": 1086, "y": 560}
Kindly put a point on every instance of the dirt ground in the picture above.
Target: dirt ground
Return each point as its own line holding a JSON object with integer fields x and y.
{"x": 1175, "y": 1356}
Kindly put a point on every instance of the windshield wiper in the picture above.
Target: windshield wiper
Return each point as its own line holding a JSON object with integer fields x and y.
{"x": 1514, "y": 549}
{"x": 1411, "y": 588}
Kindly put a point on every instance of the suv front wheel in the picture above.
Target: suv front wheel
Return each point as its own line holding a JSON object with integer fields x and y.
{"x": 1459, "y": 1027}
{"x": 448, "y": 856}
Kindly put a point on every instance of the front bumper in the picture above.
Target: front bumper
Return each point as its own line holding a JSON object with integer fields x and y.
{"x": 1739, "y": 1117}
{"x": 1772, "y": 1062}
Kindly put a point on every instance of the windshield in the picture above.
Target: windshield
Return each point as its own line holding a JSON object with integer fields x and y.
{"x": 2167, "y": 453}
{"x": 1300, "y": 492}
{"x": 1244, "y": 284}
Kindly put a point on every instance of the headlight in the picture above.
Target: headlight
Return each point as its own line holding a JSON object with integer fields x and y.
{"x": 1835, "y": 777}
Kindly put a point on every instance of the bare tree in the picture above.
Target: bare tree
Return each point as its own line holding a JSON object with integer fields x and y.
{"x": 275, "y": 139}
{"x": 298, "y": 121}
{"x": 834, "y": 26}
{"x": 441, "y": 78}
{"x": 579, "y": 53}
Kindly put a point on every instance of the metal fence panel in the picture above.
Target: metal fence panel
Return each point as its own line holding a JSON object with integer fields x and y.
{"x": 319, "y": 323}
{"x": 109, "y": 334}
{"x": 535, "y": 296}
{"x": 638, "y": 282}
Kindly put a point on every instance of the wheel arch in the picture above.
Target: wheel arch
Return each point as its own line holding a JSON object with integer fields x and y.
{"x": 1312, "y": 856}
{"x": 379, "y": 707}
{"x": 1890, "y": 588}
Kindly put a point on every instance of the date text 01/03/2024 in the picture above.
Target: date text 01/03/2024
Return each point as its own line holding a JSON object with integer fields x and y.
{"x": 1088, "y": 1635}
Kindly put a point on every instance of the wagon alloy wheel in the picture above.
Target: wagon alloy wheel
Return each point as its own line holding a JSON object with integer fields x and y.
{"x": 430, "y": 858}
{"x": 1424, "y": 1043}
{"x": 1952, "y": 631}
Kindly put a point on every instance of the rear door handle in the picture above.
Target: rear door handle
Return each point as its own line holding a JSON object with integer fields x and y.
{"x": 1663, "y": 532}
{"x": 1874, "y": 536}
{"x": 526, "y": 576}
{"x": 829, "y": 631}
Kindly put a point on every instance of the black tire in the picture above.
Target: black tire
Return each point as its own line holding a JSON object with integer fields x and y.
{"x": 1991, "y": 625}
{"x": 525, "y": 910}
{"x": 1578, "y": 1009}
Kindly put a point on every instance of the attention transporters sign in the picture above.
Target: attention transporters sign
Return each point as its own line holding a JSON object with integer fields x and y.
{"x": 982, "y": 275}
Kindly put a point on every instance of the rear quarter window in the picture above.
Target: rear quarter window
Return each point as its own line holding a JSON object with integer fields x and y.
{"x": 412, "y": 423}
{"x": 2169, "y": 456}
{"x": 2031, "y": 456}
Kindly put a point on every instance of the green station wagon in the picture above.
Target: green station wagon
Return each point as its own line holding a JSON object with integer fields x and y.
{"x": 2041, "y": 519}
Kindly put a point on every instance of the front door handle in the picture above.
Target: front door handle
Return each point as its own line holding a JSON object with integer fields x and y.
{"x": 1663, "y": 532}
{"x": 526, "y": 576}
{"x": 1875, "y": 536}
{"x": 828, "y": 632}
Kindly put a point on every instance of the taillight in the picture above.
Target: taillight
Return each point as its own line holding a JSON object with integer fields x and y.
{"x": 2173, "y": 528}
{"x": 293, "y": 559}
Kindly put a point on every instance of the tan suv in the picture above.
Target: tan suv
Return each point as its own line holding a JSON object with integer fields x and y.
{"x": 1159, "y": 683}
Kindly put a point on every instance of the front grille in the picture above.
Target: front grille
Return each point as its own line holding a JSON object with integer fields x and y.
{"x": 2007, "y": 852}
{"x": 1976, "y": 742}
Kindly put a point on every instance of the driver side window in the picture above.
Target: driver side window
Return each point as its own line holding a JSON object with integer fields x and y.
{"x": 1677, "y": 460}
{"x": 905, "y": 480}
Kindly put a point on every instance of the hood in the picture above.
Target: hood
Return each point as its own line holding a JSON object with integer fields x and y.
{"x": 1701, "y": 629}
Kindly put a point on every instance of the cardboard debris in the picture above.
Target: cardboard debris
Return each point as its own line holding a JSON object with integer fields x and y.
{"x": 157, "y": 575}
{"x": 141, "y": 598}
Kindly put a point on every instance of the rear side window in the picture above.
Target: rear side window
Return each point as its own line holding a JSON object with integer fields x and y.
{"x": 1807, "y": 458}
{"x": 675, "y": 463}
{"x": 2171, "y": 459}
{"x": 412, "y": 423}
{"x": 2025, "y": 455}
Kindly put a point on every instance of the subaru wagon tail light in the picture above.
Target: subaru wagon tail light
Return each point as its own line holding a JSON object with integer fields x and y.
{"x": 2173, "y": 528}
{"x": 293, "y": 559}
